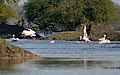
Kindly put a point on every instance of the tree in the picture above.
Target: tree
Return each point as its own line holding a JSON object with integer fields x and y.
{"x": 69, "y": 13}
{"x": 99, "y": 10}
{"x": 62, "y": 12}
{"x": 6, "y": 12}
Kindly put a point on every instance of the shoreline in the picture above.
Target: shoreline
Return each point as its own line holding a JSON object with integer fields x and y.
{"x": 36, "y": 57}
{"x": 10, "y": 51}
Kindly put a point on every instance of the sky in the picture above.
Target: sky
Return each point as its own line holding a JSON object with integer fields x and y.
{"x": 116, "y": 1}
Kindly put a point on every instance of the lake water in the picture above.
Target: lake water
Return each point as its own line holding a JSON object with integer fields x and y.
{"x": 65, "y": 58}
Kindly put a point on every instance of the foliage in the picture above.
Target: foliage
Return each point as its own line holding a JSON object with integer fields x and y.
{"x": 117, "y": 10}
{"x": 99, "y": 10}
{"x": 6, "y": 12}
{"x": 116, "y": 21}
{"x": 69, "y": 13}
{"x": 12, "y": 1}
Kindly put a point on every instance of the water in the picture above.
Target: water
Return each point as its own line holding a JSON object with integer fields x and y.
{"x": 70, "y": 49}
{"x": 65, "y": 58}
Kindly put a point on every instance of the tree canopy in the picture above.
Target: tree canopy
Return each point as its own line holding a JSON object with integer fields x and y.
{"x": 6, "y": 12}
{"x": 99, "y": 10}
{"x": 70, "y": 13}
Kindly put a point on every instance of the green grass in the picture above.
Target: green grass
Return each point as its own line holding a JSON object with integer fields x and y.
{"x": 8, "y": 50}
{"x": 68, "y": 35}
{"x": 97, "y": 32}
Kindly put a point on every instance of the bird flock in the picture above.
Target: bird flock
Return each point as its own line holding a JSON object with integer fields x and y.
{"x": 86, "y": 38}
{"x": 31, "y": 33}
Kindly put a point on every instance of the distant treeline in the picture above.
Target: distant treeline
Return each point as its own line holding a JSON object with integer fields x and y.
{"x": 64, "y": 14}
{"x": 70, "y": 14}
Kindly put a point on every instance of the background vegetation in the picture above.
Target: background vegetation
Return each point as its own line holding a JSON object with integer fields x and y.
{"x": 6, "y": 12}
{"x": 69, "y": 14}
{"x": 64, "y": 15}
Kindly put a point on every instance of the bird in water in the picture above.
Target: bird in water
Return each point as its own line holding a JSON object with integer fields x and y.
{"x": 85, "y": 35}
{"x": 80, "y": 38}
{"x": 14, "y": 39}
{"x": 53, "y": 40}
{"x": 104, "y": 40}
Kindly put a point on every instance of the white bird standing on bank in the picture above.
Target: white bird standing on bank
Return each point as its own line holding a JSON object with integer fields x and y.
{"x": 85, "y": 36}
{"x": 104, "y": 40}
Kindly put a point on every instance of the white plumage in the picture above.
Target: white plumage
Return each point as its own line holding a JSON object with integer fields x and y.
{"x": 28, "y": 32}
{"x": 85, "y": 36}
{"x": 104, "y": 40}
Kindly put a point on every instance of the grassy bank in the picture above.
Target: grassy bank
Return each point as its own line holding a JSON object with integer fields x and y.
{"x": 96, "y": 32}
{"x": 10, "y": 51}
{"x": 68, "y": 35}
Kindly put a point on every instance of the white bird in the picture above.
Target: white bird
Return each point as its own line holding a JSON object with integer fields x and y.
{"x": 104, "y": 40}
{"x": 53, "y": 41}
{"x": 85, "y": 36}
{"x": 14, "y": 39}
{"x": 29, "y": 32}
{"x": 80, "y": 38}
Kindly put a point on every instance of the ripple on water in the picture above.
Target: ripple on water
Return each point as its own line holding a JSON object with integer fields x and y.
{"x": 70, "y": 49}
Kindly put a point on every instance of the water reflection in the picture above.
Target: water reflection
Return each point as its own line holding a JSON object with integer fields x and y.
{"x": 58, "y": 66}
{"x": 72, "y": 64}
{"x": 8, "y": 65}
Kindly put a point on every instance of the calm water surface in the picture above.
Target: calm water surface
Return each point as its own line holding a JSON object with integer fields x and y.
{"x": 65, "y": 58}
